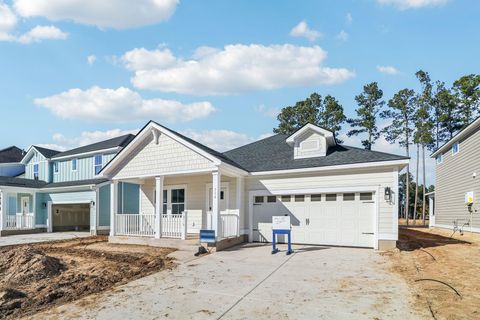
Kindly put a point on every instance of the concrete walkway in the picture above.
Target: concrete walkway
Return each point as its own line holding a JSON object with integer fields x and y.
{"x": 40, "y": 237}
{"x": 250, "y": 283}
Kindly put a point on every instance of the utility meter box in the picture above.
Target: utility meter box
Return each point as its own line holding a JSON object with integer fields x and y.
{"x": 469, "y": 197}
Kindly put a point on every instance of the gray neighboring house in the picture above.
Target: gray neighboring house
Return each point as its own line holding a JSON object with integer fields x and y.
{"x": 10, "y": 162}
{"x": 457, "y": 177}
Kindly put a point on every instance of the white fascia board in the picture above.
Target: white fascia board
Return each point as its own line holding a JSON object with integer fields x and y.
{"x": 327, "y": 134}
{"x": 86, "y": 187}
{"x": 465, "y": 132}
{"x": 83, "y": 154}
{"x": 399, "y": 163}
{"x": 18, "y": 189}
{"x": 4, "y": 164}
{"x": 146, "y": 131}
{"x": 30, "y": 150}
{"x": 229, "y": 169}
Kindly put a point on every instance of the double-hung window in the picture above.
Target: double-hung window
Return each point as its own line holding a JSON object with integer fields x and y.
{"x": 55, "y": 167}
{"x": 35, "y": 171}
{"x": 455, "y": 148}
{"x": 98, "y": 163}
{"x": 74, "y": 164}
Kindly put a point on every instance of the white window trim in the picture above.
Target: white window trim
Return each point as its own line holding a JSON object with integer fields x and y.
{"x": 76, "y": 164}
{"x": 58, "y": 168}
{"x": 95, "y": 165}
{"x": 440, "y": 156}
{"x": 458, "y": 148}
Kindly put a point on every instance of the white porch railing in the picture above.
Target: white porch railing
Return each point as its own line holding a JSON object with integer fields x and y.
{"x": 20, "y": 221}
{"x": 135, "y": 225}
{"x": 143, "y": 225}
{"x": 229, "y": 223}
{"x": 174, "y": 225}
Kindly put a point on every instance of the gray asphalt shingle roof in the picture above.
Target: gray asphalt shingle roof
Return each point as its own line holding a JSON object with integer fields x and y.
{"x": 21, "y": 182}
{"x": 274, "y": 153}
{"x": 11, "y": 154}
{"x": 47, "y": 153}
{"x": 121, "y": 141}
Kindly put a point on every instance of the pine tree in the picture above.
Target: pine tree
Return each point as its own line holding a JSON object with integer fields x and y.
{"x": 467, "y": 91}
{"x": 402, "y": 113}
{"x": 370, "y": 104}
{"x": 446, "y": 114}
{"x": 331, "y": 116}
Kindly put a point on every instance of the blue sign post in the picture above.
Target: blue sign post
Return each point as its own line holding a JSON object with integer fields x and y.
{"x": 281, "y": 225}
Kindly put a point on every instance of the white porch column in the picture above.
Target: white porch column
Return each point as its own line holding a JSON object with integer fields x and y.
{"x": 113, "y": 207}
{"x": 240, "y": 207}
{"x": 2, "y": 210}
{"x": 158, "y": 206}
{"x": 216, "y": 185}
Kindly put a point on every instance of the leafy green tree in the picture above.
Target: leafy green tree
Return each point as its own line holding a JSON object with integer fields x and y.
{"x": 446, "y": 117}
{"x": 370, "y": 104}
{"x": 424, "y": 127}
{"x": 401, "y": 110}
{"x": 467, "y": 91}
{"x": 326, "y": 113}
{"x": 331, "y": 116}
{"x": 292, "y": 118}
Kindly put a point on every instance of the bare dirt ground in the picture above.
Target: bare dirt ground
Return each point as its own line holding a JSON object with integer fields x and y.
{"x": 442, "y": 271}
{"x": 36, "y": 277}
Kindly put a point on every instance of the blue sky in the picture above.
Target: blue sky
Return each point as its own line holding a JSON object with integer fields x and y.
{"x": 72, "y": 72}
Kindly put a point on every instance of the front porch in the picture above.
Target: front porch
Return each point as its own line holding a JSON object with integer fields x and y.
{"x": 177, "y": 206}
{"x": 17, "y": 213}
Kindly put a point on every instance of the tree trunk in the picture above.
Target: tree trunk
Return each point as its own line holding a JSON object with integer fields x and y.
{"x": 424, "y": 184}
{"x": 407, "y": 187}
{"x": 416, "y": 187}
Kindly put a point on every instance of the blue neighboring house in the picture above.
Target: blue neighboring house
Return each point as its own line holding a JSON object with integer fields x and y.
{"x": 62, "y": 191}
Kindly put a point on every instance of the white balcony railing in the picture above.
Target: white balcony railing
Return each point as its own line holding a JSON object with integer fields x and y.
{"x": 135, "y": 225}
{"x": 20, "y": 221}
{"x": 143, "y": 225}
{"x": 229, "y": 223}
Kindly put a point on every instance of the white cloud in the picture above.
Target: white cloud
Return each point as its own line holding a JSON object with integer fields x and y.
{"x": 143, "y": 59}
{"x": 120, "y": 105}
{"x": 302, "y": 30}
{"x": 342, "y": 35}
{"x": 237, "y": 68}
{"x": 412, "y": 4}
{"x": 267, "y": 112}
{"x": 348, "y": 18}
{"x": 89, "y": 137}
{"x": 8, "y": 22}
{"x": 40, "y": 33}
{"x": 91, "y": 59}
{"x": 390, "y": 70}
{"x": 221, "y": 140}
{"x": 118, "y": 14}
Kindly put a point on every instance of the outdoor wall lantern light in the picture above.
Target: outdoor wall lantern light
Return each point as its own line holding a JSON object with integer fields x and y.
{"x": 388, "y": 194}
{"x": 92, "y": 203}
{"x": 44, "y": 204}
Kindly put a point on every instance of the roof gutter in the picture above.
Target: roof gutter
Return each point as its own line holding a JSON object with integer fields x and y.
{"x": 400, "y": 163}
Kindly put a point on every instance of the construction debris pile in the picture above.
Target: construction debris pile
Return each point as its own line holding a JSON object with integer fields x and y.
{"x": 38, "y": 276}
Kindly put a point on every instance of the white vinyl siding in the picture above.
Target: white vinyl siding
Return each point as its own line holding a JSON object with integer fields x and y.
{"x": 165, "y": 157}
{"x": 43, "y": 172}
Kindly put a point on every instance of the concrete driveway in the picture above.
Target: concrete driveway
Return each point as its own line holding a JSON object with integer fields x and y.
{"x": 40, "y": 237}
{"x": 250, "y": 283}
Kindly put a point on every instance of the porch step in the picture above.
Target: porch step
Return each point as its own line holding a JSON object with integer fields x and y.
{"x": 190, "y": 244}
{"x": 11, "y": 232}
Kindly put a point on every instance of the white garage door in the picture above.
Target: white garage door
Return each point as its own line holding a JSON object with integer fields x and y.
{"x": 344, "y": 219}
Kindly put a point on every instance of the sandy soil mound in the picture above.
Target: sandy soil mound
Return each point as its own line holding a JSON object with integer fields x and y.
{"x": 25, "y": 264}
{"x": 39, "y": 276}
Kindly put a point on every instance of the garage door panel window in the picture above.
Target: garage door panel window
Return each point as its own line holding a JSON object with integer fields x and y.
{"x": 258, "y": 199}
{"x": 272, "y": 199}
{"x": 299, "y": 198}
{"x": 286, "y": 198}
{"x": 316, "y": 197}
{"x": 349, "y": 197}
{"x": 331, "y": 197}
{"x": 366, "y": 196}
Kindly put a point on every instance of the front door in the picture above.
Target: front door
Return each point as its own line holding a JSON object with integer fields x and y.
{"x": 25, "y": 205}
{"x": 222, "y": 203}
